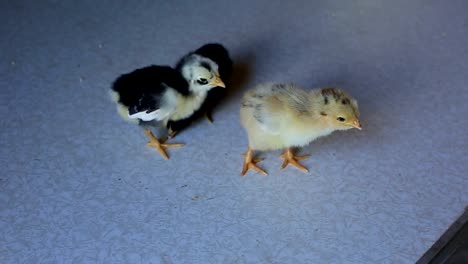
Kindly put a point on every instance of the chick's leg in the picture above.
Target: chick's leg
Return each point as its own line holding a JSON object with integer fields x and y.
{"x": 250, "y": 163}
{"x": 160, "y": 147}
{"x": 209, "y": 116}
{"x": 290, "y": 158}
{"x": 171, "y": 133}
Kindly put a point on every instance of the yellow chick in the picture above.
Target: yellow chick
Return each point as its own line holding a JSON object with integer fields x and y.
{"x": 277, "y": 116}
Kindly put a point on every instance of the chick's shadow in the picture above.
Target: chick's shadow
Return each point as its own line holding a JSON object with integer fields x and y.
{"x": 240, "y": 77}
{"x": 219, "y": 98}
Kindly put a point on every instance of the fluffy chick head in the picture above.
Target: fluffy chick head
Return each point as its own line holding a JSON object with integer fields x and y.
{"x": 338, "y": 109}
{"x": 202, "y": 74}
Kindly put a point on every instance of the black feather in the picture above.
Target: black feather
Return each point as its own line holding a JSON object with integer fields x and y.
{"x": 179, "y": 125}
{"x": 141, "y": 89}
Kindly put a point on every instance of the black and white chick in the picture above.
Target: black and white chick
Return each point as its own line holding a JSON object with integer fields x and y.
{"x": 215, "y": 58}
{"x": 160, "y": 94}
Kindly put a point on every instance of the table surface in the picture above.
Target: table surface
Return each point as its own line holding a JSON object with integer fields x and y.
{"x": 78, "y": 184}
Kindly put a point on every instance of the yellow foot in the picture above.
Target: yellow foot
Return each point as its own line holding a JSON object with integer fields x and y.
{"x": 250, "y": 163}
{"x": 289, "y": 158}
{"x": 160, "y": 147}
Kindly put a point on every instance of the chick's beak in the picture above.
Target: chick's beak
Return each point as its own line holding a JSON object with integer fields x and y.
{"x": 356, "y": 124}
{"x": 217, "y": 82}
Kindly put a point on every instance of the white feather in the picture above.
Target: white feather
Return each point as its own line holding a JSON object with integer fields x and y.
{"x": 155, "y": 115}
{"x": 183, "y": 106}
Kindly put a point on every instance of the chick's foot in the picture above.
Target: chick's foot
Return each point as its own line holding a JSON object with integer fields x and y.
{"x": 290, "y": 158}
{"x": 250, "y": 163}
{"x": 160, "y": 147}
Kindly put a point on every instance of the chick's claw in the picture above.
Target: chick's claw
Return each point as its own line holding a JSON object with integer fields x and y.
{"x": 160, "y": 147}
{"x": 250, "y": 163}
{"x": 290, "y": 158}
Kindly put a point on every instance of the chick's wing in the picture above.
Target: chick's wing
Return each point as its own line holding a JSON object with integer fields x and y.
{"x": 276, "y": 107}
{"x": 267, "y": 109}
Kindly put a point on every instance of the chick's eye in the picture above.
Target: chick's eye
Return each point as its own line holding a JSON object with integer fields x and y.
{"x": 341, "y": 119}
{"x": 202, "y": 81}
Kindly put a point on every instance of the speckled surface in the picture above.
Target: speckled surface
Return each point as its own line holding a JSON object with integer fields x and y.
{"x": 78, "y": 184}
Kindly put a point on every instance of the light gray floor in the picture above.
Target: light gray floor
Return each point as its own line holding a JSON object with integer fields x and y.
{"x": 78, "y": 184}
